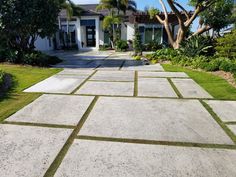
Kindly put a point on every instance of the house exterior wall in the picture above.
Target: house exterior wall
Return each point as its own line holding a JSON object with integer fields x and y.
{"x": 130, "y": 31}
{"x": 124, "y": 32}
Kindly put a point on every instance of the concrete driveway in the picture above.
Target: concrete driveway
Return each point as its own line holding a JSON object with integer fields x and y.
{"x": 108, "y": 115}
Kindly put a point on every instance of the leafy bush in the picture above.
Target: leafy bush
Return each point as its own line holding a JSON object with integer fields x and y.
{"x": 122, "y": 45}
{"x": 137, "y": 42}
{"x": 203, "y": 62}
{"x": 197, "y": 45}
{"x": 163, "y": 54}
{"x": 137, "y": 57}
{"x": 104, "y": 47}
{"x": 152, "y": 46}
{"x": 226, "y": 46}
{"x": 40, "y": 59}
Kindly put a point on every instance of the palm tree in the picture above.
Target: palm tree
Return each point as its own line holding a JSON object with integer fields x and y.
{"x": 114, "y": 7}
{"x": 71, "y": 10}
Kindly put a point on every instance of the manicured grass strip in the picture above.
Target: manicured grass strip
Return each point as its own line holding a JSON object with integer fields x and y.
{"x": 76, "y": 89}
{"x": 216, "y": 86}
{"x": 136, "y": 83}
{"x": 219, "y": 121}
{"x": 57, "y": 161}
{"x": 26, "y": 76}
{"x": 14, "y": 102}
{"x": 23, "y": 77}
{"x": 39, "y": 124}
{"x": 230, "y": 123}
{"x": 175, "y": 88}
{"x": 154, "y": 142}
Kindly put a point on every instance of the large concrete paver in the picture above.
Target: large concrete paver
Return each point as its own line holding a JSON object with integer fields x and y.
{"x": 226, "y": 110}
{"x": 156, "y": 87}
{"x": 163, "y": 74}
{"x": 94, "y": 158}
{"x": 153, "y": 119}
{"x": 138, "y": 66}
{"x": 57, "y": 84}
{"x": 190, "y": 89}
{"x": 113, "y": 76}
{"x": 54, "y": 109}
{"x": 107, "y": 88}
{"x": 76, "y": 72}
{"x": 29, "y": 151}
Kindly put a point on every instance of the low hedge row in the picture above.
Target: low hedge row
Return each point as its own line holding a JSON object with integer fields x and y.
{"x": 34, "y": 58}
{"x": 207, "y": 63}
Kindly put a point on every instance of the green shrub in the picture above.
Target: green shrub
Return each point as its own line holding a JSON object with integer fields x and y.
{"x": 226, "y": 65}
{"x": 226, "y": 45}
{"x": 40, "y": 59}
{"x": 137, "y": 42}
{"x": 122, "y": 45}
{"x": 104, "y": 47}
{"x": 152, "y": 46}
{"x": 137, "y": 57}
{"x": 197, "y": 45}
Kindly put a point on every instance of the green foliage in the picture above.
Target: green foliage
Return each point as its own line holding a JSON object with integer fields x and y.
{"x": 122, "y": 45}
{"x": 104, "y": 47}
{"x": 218, "y": 15}
{"x": 153, "y": 12}
{"x": 29, "y": 20}
{"x": 152, "y": 46}
{"x": 226, "y": 45}
{"x": 203, "y": 62}
{"x": 197, "y": 45}
{"x": 137, "y": 57}
{"x": 137, "y": 43}
{"x": 40, "y": 59}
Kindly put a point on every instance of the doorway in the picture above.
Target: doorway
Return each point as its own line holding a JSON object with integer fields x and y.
{"x": 90, "y": 36}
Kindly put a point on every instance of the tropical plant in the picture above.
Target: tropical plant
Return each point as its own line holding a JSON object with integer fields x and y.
{"x": 197, "y": 45}
{"x": 114, "y": 19}
{"x": 137, "y": 44}
{"x": 122, "y": 45}
{"x": 226, "y": 45}
{"x": 71, "y": 10}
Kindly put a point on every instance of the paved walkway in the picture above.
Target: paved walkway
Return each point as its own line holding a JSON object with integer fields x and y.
{"x": 112, "y": 116}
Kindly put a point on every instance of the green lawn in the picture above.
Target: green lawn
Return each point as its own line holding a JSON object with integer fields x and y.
{"x": 24, "y": 77}
{"x": 219, "y": 88}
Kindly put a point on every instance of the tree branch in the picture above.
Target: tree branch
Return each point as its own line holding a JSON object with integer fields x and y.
{"x": 159, "y": 19}
{"x": 183, "y": 9}
{"x": 164, "y": 9}
{"x": 201, "y": 30}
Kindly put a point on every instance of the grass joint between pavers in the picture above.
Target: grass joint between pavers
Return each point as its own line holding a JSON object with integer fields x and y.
{"x": 59, "y": 158}
{"x": 219, "y": 121}
{"x": 156, "y": 142}
{"x": 175, "y": 88}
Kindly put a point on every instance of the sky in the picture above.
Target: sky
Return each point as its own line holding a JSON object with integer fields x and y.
{"x": 143, "y": 3}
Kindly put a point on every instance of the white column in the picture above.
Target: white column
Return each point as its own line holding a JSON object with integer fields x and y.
{"x": 97, "y": 21}
{"x": 78, "y": 33}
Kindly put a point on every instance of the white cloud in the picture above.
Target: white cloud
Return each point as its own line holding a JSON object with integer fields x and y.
{"x": 86, "y": 1}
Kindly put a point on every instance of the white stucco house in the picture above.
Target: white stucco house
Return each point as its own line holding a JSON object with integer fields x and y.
{"x": 86, "y": 32}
